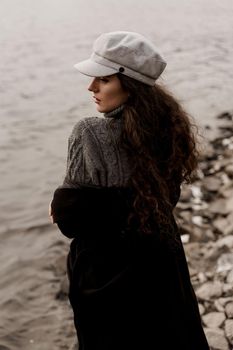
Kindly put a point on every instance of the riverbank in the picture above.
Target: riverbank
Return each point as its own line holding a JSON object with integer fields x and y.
{"x": 35, "y": 313}
{"x": 205, "y": 215}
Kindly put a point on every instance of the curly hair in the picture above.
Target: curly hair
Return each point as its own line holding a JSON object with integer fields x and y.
{"x": 160, "y": 139}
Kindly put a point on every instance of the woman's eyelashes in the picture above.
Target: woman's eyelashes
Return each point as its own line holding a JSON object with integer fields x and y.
{"x": 104, "y": 79}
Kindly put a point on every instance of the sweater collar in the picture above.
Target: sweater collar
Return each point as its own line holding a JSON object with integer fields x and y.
{"x": 115, "y": 113}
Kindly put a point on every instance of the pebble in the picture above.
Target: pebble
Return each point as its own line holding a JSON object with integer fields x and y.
{"x": 225, "y": 241}
{"x": 209, "y": 290}
{"x": 214, "y": 319}
{"x": 211, "y": 183}
{"x": 229, "y": 309}
{"x": 230, "y": 277}
{"x": 229, "y": 330}
{"x": 225, "y": 262}
{"x": 216, "y": 339}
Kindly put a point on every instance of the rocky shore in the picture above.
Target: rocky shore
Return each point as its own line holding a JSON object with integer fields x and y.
{"x": 205, "y": 217}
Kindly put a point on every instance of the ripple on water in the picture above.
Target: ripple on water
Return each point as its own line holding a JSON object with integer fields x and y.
{"x": 42, "y": 96}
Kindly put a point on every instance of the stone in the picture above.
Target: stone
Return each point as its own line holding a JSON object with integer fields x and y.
{"x": 230, "y": 216}
{"x": 213, "y": 252}
{"x": 215, "y": 168}
{"x": 225, "y": 242}
{"x": 193, "y": 250}
{"x": 197, "y": 220}
{"x": 227, "y": 192}
{"x": 185, "y": 238}
{"x": 229, "y": 309}
{"x": 196, "y": 192}
{"x": 224, "y": 301}
{"x": 209, "y": 290}
{"x": 214, "y": 319}
{"x": 184, "y": 206}
{"x": 220, "y": 224}
{"x": 208, "y": 151}
{"x": 211, "y": 183}
{"x": 227, "y": 290}
{"x": 186, "y": 215}
{"x": 201, "y": 277}
{"x": 227, "y": 141}
{"x": 225, "y": 179}
{"x": 200, "y": 206}
{"x": 192, "y": 271}
{"x": 209, "y": 275}
{"x": 201, "y": 309}
{"x": 230, "y": 277}
{"x": 218, "y": 306}
{"x": 229, "y": 170}
{"x": 200, "y": 174}
{"x": 186, "y": 194}
{"x": 229, "y": 204}
{"x": 225, "y": 262}
{"x": 228, "y": 226}
{"x": 184, "y": 229}
{"x": 198, "y": 234}
{"x": 221, "y": 206}
{"x": 216, "y": 339}
{"x": 224, "y": 161}
{"x": 208, "y": 305}
{"x": 229, "y": 330}
{"x": 229, "y": 229}
{"x": 209, "y": 235}
{"x": 222, "y": 275}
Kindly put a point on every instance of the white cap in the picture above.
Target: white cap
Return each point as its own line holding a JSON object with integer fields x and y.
{"x": 128, "y": 53}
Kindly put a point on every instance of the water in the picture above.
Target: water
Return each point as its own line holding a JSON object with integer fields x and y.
{"x": 42, "y": 96}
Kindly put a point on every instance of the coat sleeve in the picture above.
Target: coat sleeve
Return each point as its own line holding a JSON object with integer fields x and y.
{"x": 88, "y": 210}
{"x": 65, "y": 210}
{"x": 74, "y": 210}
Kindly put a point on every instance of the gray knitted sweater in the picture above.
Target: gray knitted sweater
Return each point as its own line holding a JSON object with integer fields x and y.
{"x": 94, "y": 155}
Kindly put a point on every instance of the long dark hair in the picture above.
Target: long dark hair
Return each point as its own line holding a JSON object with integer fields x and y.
{"x": 161, "y": 142}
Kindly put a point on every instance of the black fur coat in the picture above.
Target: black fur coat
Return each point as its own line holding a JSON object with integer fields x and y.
{"x": 128, "y": 291}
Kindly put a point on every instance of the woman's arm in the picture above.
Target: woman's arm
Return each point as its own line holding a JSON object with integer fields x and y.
{"x": 85, "y": 161}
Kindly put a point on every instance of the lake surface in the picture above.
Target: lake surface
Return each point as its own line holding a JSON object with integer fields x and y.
{"x": 42, "y": 95}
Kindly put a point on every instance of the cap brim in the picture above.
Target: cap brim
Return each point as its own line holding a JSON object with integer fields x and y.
{"x": 93, "y": 69}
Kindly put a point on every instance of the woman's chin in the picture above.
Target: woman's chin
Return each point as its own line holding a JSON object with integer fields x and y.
{"x": 101, "y": 109}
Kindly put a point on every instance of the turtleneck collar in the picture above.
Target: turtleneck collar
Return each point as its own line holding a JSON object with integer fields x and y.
{"x": 115, "y": 113}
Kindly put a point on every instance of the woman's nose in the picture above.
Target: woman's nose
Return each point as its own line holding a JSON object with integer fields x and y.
{"x": 93, "y": 86}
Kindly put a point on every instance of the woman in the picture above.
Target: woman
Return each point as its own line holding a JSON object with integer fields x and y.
{"x": 129, "y": 281}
